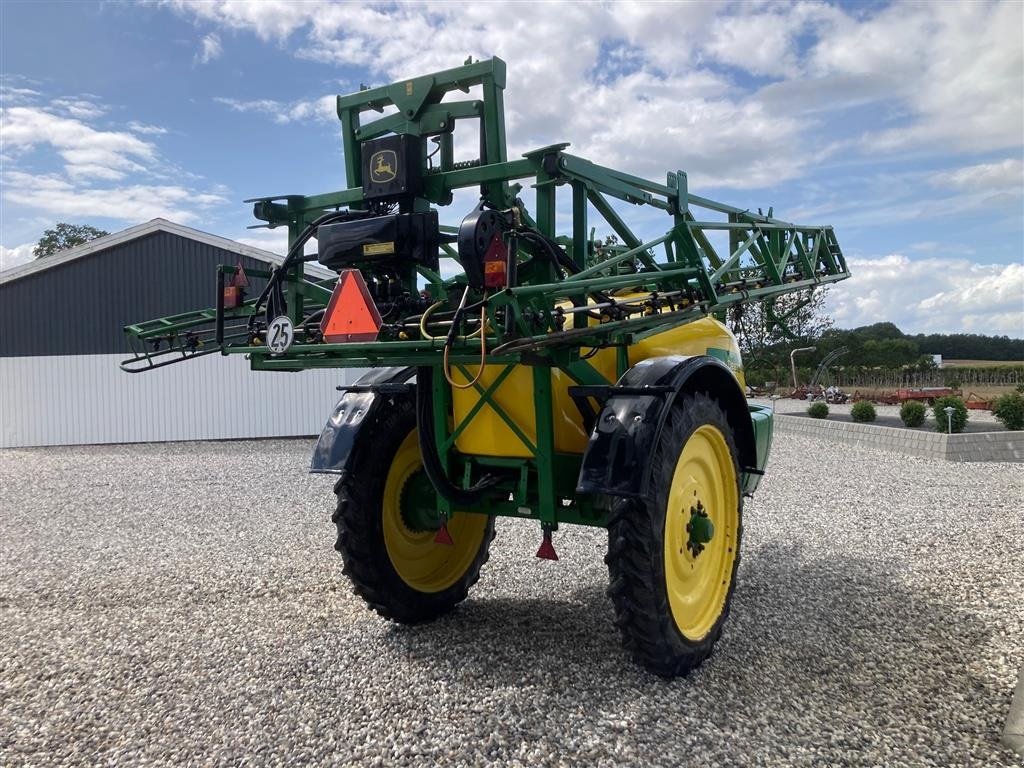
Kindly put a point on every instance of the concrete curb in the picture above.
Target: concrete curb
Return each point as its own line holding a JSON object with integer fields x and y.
{"x": 1013, "y": 732}
{"x": 970, "y": 446}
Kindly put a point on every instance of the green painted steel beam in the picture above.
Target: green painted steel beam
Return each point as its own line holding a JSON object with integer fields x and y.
{"x": 614, "y": 220}
{"x": 543, "y": 407}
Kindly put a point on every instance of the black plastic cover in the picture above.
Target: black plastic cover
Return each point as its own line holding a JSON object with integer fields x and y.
{"x": 353, "y": 411}
{"x": 617, "y": 461}
{"x": 392, "y": 167}
{"x": 393, "y": 238}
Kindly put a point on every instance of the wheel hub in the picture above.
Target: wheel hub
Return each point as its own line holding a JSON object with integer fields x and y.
{"x": 419, "y": 504}
{"x": 700, "y": 529}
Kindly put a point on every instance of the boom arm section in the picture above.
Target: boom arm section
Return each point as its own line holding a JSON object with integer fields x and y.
{"x": 526, "y": 289}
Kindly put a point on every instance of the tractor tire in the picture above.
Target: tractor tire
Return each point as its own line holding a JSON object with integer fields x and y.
{"x": 672, "y": 576}
{"x": 385, "y": 535}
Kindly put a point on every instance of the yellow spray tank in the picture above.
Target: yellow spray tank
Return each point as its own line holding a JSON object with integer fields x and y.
{"x": 489, "y": 435}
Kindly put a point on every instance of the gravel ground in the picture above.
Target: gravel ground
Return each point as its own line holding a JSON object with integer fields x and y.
{"x": 183, "y": 604}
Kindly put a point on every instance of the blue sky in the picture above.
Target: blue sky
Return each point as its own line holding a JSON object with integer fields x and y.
{"x": 900, "y": 124}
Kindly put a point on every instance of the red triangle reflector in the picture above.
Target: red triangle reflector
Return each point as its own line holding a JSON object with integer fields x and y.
{"x": 351, "y": 314}
{"x": 240, "y": 279}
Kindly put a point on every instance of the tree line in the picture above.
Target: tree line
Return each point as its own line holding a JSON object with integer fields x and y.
{"x": 767, "y": 343}
{"x": 886, "y": 346}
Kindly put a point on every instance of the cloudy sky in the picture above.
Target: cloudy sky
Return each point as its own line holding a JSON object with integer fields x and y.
{"x": 901, "y": 124}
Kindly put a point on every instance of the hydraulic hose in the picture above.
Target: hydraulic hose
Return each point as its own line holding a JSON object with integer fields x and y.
{"x": 438, "y": 475}
{"x": 272, "y": 293}
{"x": 557, "y": 256}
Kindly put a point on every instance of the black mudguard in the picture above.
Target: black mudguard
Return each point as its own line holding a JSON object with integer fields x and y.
{"x": 361, "y": 405}
{"x": 617, "y": 461}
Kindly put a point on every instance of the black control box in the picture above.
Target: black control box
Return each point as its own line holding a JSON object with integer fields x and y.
{"x": 399, "y": 238}
{"x": 392, "y": 167}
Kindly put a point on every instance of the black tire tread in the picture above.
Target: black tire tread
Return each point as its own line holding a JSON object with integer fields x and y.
{"x": 360, "y": 538}
{"x": 635, "y": 554}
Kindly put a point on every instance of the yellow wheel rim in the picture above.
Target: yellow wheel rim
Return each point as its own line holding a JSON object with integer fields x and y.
{"x": 422, "y": 564}
{"x": 698, "y": 582}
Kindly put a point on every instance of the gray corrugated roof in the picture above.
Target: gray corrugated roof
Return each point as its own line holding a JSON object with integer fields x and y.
{"x": 148, "y": 228}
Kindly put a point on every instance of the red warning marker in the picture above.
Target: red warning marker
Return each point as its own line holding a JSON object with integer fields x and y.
{"x": 443, "y": 537}
{"x": 547, "y": 549}
{"x": 351, "y": 314}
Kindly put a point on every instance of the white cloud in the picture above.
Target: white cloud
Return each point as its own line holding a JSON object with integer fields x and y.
{"x": 606, "y": 74}
{"x": 714, "y": 132}
{"x": 764, "y": 43}
{"x": 104, "y": 171}
{"x": 719, "y": 141}
{"x": 80, "y": 108}
{"x": 712, "y": 129}
{"x": 209, "y": 49}
{"x": 931, "y": 294}
{"x": 86, "y": 151}
{"x": 269, "y": 19}
{"x": 136, "y": 202}
{"x": 11, "y": 94}
{"x": 986, "y": 191}
{"x": 154, "y": 130}
{"x": 322, "y": 109}
{"x": 1005, "y": 175}
{"x": 267, "y": 106}
{"x": 956, "y": 69}
{"x": 86, "y": 170}
{"x": 12, "y": 257}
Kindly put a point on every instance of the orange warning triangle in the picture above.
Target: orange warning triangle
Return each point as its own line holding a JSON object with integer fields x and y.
{"x": 351, "y": 314}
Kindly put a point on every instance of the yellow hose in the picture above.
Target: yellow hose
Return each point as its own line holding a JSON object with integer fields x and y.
{"x": 483, "y": 354}
{"x": 423, "y": 325}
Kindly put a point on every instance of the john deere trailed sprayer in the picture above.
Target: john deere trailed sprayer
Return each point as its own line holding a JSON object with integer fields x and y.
{"x": 558, "y": 377}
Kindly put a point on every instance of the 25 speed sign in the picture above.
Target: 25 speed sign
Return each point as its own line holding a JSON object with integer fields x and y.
{"x": 280, "y": 334}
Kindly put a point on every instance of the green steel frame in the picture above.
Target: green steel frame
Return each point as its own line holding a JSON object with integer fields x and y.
{"x": 541, "y": 319}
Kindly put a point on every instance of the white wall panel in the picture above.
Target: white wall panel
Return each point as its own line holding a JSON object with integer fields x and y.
{"x": 87, "y": 399}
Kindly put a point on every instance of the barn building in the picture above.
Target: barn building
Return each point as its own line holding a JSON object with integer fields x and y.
{"x": 61, "y": 340}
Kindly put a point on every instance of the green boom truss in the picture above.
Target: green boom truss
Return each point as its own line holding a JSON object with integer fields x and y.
{"x": 543, "y": 320}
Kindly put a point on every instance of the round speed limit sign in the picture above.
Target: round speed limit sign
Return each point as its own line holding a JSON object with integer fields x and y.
{"x": 280, "y": 334}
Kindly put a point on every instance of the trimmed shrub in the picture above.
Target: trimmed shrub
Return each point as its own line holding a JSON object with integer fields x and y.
{"x": 912, "y": 413}
{"x": 862, "y": 411}
{"x": 1009, "y": 409}
{"x": 958, "y": 417}
{"x": 818, "y": 411}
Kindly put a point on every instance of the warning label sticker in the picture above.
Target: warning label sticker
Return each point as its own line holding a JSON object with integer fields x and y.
{"x": 378, "y": 249}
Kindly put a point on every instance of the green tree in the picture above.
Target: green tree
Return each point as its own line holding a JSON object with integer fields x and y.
{"x": 793, "y": 319}
{"x": 890, "y": 353}
{"x": 64, "y": 236}
{"x": 1009, "y": 409}
{"x": 879, "y": 331}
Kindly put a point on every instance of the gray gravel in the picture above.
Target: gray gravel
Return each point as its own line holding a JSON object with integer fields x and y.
{"x": 183, "y": 604}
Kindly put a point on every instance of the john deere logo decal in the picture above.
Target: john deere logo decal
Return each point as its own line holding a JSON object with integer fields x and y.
{"x": 383, "y": 166}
